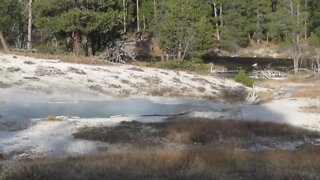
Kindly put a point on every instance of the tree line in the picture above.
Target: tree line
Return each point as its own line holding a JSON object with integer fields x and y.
{"x": 182, "y": 28}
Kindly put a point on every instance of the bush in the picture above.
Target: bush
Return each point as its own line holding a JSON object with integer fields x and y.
{"x": 242, "y": 78}
{"x": 44, "y": 48}
{"x": 313, "y": 40}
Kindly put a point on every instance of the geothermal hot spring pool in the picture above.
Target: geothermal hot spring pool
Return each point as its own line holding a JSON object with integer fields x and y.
{"x": 22, "y": 130}
{"x": 22, "y": 109}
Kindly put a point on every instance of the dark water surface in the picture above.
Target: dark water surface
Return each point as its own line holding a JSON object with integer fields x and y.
{"x": 235, "y": 63}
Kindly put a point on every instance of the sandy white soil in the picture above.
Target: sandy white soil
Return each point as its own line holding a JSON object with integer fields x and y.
{"x": 55, "y": 138}
{"x": 77, "y": 81}
{"x": 54, "y": 77}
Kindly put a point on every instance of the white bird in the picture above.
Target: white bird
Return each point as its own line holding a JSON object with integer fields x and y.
{"x": 255, "y": 65}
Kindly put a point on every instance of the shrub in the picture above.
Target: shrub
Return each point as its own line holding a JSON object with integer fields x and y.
{"x": 242, "y": 78}
{"x": 44, "y": 48}
{"x": 234, "y": 95}
{"x": 313, "y": 40}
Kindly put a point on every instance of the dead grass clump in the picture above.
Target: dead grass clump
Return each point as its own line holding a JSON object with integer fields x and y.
{"x": 13, "y": 69}
{"x": 264, "y": 97}
{"x": 51, "y": 118}
{"x": 152, "y": 80}
{"x": 77, "y": 71}
{"x": 29, "y": 62}
{"x": 2, "y": 157}
{"x": 134, "y": 133}
{"x": 125, "y": 92}
{"x": 234, "y": 95}
{"x": 48, "y": 71}
{"x": 311, "y": 109}
{"x": 201, "y": 80}
{"x": 136, "y": 69}
{"x": 201, "y": 89}
{"x": 4, "y": 85}
{"x": 124, "y": 81}
{"x": 176, "y": 80}
{"x": 97, "y": 88}
{"x": 161, "y": 91}
{"x": 115, "y": 86}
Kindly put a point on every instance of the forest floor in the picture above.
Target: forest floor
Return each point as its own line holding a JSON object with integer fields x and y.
{"x": 278, "y": 135}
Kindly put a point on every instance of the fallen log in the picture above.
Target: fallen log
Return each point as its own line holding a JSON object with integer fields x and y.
{"x": 118, "y": 52}
{"x": 268, "y": 74}
{"x": 24, "y": 50}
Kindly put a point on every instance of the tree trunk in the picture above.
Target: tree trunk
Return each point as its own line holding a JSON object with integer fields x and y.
{"x": 217, "y": 24}
{"x": 258, "y": 23}
{"x": 29, "y": 43}
{"x": 221, "y": 18}
{"x": 76, "y": 43}
{"x": 138, "y": 18}
{"x": 155, "y": 10}
{"x": 124, "y": 16}
{"x": 90, "y": 45}
{"x": 305, "y": 21}
{"x": 144, "y": 23}
{"x": 4, "y": 42}
{"x": 179, "y": 52}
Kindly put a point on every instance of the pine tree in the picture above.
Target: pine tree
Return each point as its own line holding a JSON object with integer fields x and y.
{"x": 10, "y": 20}
{"x": 79, "y": 18}
{"x": 4, "y": 19}
{"x": 178, "y": 26}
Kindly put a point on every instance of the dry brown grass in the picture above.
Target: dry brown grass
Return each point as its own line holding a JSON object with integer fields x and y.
{"x": 194, "y": 131}
{"x": 311, "y": 109}
{"x": 301, "y": 87}
{"x": 276, "y": 84}
{"x": 179, "y": 164}
{"x": 51, "y": 118}
{"x": 65, "y": 58}
{"x": 141, "y": 63}
{"x": 192, "y": 162}
{"x": 310, "y": 92}
{"x": 264, "y": 97}
{"x": 233, "y": 95}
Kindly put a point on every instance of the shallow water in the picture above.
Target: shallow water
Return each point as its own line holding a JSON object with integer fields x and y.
{"x": 35, "y": 108}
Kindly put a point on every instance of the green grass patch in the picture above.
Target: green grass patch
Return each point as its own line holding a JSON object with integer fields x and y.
{"x": 244, "y": 79}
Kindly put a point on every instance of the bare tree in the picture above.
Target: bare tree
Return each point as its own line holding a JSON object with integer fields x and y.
{"x": 305, "y": 20}
{"x": 124, "y": 4}
{"x": 138, "y": 18}
{"x": 155, "y": 9}
{"x": 29, "y": 43}
{"x": 4, "y": 42}
{"x": 217, "y": 24}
